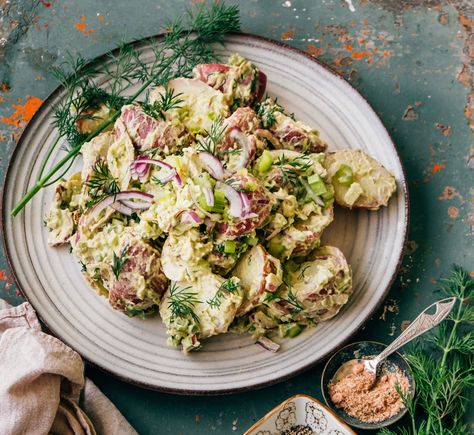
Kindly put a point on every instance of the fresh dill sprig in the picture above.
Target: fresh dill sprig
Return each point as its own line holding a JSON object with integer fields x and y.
{"x": 267, "y": 113}
{"x": 181, "y": 302}
{"x": 166, "y": 101}
{"x": 186, "y": 44}
{"x": 443, "y": 367}
{"x": 228, "y": 286}
{"x": 291, "y": 298}
{"x": 267, "y": 109}
{"x": 213, "y": 137}
{"x": 119, "y": 261}
{"x": 292, "y": 169}
{"x": 101, "y": 183}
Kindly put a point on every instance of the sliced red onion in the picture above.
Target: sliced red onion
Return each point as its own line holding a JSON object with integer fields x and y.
{"x": 139, "y": 171}
{"x": 212, "y": 164}
{"x": 102, "y": 205}
{"x": 136, "y": 205}
{"x": 121, "y": 196}
{"x": 177, "y": 180}
{"x": 150, "y": 161}
{"x": 209, "y": 196}
{"x": 234, "y": 198}
{"x": 268, "y": 344}
{"x": 122, "y": 208}
{"x": 164, "y": 178}
{"x": 245, "y": 203}
{"x": 190, "y": 217}
{"x": 141, "y": 165}
{"x": 245, "y": 146}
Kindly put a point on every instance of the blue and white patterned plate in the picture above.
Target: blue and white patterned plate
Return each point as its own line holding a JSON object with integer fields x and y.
{"x": 300, "y": 412}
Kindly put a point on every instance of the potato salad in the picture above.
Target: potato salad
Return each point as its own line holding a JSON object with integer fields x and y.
{"x": 207, "y": 202}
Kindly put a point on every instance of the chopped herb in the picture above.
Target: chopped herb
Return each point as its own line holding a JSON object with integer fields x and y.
{"x": 291, "y": 299}
{"x": 83, "y": 267}
{"x": 214, "y": 137}
{"x": 228, "y": 286}
{"x": 267, "y": 112}
{"x": 137, "y": 312}
{"x": 181, "y": 302}
{"x": 119, "y": 261}
{"x": 165, "y": 102}
{"x": 135, "y": 217}
{"x": 101, "y": 183}
{"x": 293, "y": 169}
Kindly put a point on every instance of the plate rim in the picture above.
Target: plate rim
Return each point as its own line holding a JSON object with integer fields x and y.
{"x": 182, "y": 391}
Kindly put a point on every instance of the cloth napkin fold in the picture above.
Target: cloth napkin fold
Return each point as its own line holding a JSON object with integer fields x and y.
{"x": 41, "y": 380}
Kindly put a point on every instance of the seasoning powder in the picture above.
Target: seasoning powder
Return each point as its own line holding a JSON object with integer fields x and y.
{"x": 369, "y": 402}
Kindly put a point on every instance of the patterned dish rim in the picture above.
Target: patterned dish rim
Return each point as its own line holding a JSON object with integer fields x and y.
{"x": 229, "y": 390}
{"x": 277, "y": 408}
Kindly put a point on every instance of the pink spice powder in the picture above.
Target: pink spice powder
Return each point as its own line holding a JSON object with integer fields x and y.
{"x": 369, "y": 403}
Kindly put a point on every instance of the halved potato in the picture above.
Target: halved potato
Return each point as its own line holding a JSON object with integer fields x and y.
{"x": 322, "y": 284}
{"x": 359, "y": 180}
{"x": 315, "y": 290}
{"x": 259, "y": 274}
{"x": 192, "y": 311}
{"x": 182, "y": 256}
{"x": 200, "y": 103}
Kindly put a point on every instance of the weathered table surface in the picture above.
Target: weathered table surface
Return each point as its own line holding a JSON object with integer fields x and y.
{"x": 412, "y": 59}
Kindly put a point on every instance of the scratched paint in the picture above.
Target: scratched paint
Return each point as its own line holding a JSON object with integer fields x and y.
{"x": 23, "y": 112}
{"x": 83, "y": 26}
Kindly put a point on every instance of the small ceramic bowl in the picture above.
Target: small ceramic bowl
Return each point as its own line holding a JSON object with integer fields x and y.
{"x": 360, "y": 350}
{"x": 297, "y": 412}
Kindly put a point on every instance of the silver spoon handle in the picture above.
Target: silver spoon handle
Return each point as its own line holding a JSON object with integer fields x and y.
{"x": 424, "y": 322}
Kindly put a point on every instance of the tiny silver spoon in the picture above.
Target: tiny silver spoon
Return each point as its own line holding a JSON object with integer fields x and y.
{"x": 423, "y": 323}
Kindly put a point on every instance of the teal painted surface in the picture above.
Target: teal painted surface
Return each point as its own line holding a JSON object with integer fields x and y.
{"x": 396, "y": 54}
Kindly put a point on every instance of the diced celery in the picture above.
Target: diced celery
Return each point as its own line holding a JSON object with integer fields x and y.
{"x": 252, "y": 241}
{"x": 318, "y": 188}
{"x": 289, "y": 330}
{"x": 265, "y": 163}
{"x": 344, "y": 175}
{"x": 203, "y": 203}
{"x": 230, "y": 246}
{"x": 315, "y": 178}
{"x": 275, "y": 248}
{"x": 327, "y": 197}
{"x": 219, "y": 201}
{"x": 353, "y": 193}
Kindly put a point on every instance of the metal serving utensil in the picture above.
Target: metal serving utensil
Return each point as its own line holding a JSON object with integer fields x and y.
{"x": 423, "y": 323}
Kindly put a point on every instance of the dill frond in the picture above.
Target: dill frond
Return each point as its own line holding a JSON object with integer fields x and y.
{"x": 101, "y": 183}
{"x": 213, "y": 137}
{"x": 443, "y": 367}
{"x": 181, "y": 302}
{"x": 185, "y": 45}
{"x": 119, "y": 261}
{"x": 229, "y": 286}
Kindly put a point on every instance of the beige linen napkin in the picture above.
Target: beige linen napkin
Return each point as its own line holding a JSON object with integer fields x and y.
{"x": 41, "y": 380}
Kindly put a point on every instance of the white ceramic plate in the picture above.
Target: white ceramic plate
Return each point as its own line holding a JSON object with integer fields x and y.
{"x": 135, "y": 349}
